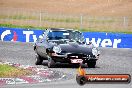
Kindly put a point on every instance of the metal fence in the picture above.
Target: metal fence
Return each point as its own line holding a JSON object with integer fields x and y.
{"x": 25, "y": 17}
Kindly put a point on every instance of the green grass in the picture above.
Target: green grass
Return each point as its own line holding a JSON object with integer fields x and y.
{"x": 66, "y": 20}
{"x": 6, "y": 68}
{"x": 18, "y": 17}
{"x": 58, "y": 19}
{"x": 104, "y": 30}
{"x": 10, "y": 71}
{"x": 19, "y": 26}
{"x": 92, "y": 24}
{"x": 50, "y": 19}
{"x": 83, "y": 29}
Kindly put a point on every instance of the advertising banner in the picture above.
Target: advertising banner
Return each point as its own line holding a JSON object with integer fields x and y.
{"x": 19, "y": 34}
{"x": 102, "y": 39}
{"x": 114, "y": 40}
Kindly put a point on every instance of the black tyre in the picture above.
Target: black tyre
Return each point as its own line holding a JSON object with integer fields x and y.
{"x": 51, "y": 62}
{"x": 81, "y": 80}
{"x": 91, "y": 64}
{"x": 39, "y": 60}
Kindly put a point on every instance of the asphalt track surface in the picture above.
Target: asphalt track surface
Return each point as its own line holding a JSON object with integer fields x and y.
{"x": 112, "y": 61}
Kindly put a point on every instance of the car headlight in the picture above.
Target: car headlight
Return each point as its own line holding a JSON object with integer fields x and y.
{"x": 95, "y": 51}
{"x": 57, "y": 49}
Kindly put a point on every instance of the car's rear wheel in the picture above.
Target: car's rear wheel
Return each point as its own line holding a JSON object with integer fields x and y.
{"x": 39, "y": 60}
{"x": 91, "y": 64}
{"x": 51, "y": 62}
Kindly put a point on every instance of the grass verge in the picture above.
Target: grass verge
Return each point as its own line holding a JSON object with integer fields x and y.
{"x": 19, "y": 26}
{"x": 83, "y": 30}
{"x": 10, "y": 71}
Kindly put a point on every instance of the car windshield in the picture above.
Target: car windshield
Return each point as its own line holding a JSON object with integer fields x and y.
{"x": 70, "y": 35}
{"x": 55, "y": 35}
{"x": 76, "y": 35}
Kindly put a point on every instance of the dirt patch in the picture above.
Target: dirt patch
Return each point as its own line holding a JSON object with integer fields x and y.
{"x": 76, "y": 7}
{"x": 97, "y": 15}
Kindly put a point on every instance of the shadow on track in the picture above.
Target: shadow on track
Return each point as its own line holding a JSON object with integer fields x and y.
{"x": 60, "y": 65}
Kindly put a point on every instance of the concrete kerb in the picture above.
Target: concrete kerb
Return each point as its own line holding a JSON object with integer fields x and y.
{"x": 41, "y": 75}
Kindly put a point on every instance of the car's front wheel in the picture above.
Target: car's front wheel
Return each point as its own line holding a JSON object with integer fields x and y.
{"x": 91, "y": 64}
{"x": 39, "y": 60}
{"x": 51, "y": 62}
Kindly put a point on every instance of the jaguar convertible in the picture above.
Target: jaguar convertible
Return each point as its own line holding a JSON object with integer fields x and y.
{"x": 65, "y": 46}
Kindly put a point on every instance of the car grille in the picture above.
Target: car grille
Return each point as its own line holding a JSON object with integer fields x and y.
{"x": 77, "y": 56}
{"x": 59, "y": 42}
